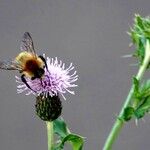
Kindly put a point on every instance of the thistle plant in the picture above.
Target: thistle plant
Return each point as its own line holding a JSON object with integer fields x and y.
{"x": 137, "y": 103}
{"x": 56, "y": 81}
{"x": 48, "y": 79}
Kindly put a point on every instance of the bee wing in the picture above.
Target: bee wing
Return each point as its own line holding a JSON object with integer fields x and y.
{"x": 10, "y": 65}
{"x": 27, "y": 43}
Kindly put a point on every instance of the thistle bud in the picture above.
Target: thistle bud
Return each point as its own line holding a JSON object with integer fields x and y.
{"x": 48, "y": 108}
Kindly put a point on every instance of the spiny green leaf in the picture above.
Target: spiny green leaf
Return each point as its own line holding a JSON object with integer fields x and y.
{"x": 136, "y": 85}
{"x": 136, "y": 92}
{"x": 75, "y": 140}
{"x": 143, "y": 108}
{"x": 135, "y": 38}
{"x": 140, "y": 92}
{"x": 144, "y": 90}
{"x": 139, "y": 21}
{"x": 141, "y": 98}
{"x": 60, "y": 128}
{"x": 140, "y": 33}
{"x": 128, "y": 113}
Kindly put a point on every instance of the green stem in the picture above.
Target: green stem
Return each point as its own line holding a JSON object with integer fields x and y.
{"x": 119, "y": 121}
{"x": 50, "y": 135}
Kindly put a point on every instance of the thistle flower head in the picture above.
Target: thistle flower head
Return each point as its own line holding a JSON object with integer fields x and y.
{"x": 57, "y": 79}
{"x": 48, "y": 108}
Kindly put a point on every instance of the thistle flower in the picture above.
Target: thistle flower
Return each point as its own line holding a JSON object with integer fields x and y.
{"x": 56, "y": 80}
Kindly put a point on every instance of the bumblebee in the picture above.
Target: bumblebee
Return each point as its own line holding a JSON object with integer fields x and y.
{"x": 27, "y": 62}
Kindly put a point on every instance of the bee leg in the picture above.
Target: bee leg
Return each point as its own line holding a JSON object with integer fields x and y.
{"x": 41, "y": 82}
{"x": 25, "y": 82}
{"x": 43, "y": 59}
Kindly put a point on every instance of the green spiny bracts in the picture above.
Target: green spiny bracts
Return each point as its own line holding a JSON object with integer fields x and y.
{"x": 48, "y": 108}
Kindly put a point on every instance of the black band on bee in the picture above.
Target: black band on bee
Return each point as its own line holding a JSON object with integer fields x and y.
{"x": 43, "y": 59}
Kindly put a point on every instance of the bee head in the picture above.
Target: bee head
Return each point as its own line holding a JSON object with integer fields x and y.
{"x": 39, "y": 72}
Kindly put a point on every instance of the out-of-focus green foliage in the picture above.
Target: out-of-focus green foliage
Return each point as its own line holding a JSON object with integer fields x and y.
{"x": 141, "y": 100}
{"x": 140, "y": 33}
{"x": 140, "y": 104}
